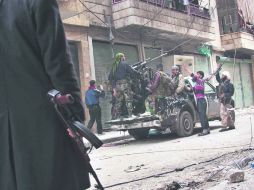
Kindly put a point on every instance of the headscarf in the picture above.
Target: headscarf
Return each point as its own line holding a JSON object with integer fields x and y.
{"x": 117, "y": 61}
{"x": 175, "y": 67}
{"x": 226, "y": 73}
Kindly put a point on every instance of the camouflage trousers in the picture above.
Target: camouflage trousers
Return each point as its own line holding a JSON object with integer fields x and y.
{"x": 124, "y": 99}
{"x": 227, "y": 115}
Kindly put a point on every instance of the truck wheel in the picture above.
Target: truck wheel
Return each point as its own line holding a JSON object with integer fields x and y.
{"x": 139, "y": 134}
{"x": 185, "y": 125}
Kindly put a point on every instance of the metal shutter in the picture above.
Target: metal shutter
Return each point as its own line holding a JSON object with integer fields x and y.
{"x": 242, "y": 80}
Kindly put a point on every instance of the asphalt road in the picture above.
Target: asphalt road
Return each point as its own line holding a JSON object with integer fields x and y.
{"x": 131, "y": 164}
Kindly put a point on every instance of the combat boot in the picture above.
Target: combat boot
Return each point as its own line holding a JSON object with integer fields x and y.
{"x": 231, "y": 127}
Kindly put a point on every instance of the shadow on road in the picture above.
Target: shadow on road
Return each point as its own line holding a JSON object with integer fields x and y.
{"x": 157, "y": 137}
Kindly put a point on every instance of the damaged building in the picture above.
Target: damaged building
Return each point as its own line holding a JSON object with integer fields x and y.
{"x": 143, "y": 29}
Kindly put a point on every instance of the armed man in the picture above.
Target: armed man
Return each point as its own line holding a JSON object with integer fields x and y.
{"x": 119, "y": 79}
{"x": 160, "y": 86}
{"x": 177, "y": 80}
{"x": 226, "y": 91}
{"x": 36, "y": 152}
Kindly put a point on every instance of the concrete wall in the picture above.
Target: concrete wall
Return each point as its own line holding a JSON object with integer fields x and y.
{"x": 72, "y": 13}
{"x": 80, "y": 15}
{"x": 214, "y": 16}
{"x": 80, "y": 36}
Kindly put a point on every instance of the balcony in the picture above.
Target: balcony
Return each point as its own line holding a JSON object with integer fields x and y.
{"x": 242, "y": 41}
{"x": 175, "y": 20}
{"x": 194, "y": 10}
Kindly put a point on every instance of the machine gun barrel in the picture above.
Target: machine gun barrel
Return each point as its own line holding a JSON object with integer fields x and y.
{"x": 139, "y": 65}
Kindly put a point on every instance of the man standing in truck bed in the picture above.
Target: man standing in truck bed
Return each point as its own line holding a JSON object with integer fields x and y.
{"x": 119, "y": 79}
{"x": 177, "y": 80}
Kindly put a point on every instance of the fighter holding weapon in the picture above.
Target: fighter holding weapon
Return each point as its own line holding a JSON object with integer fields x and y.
{"x": 75, "y": 128}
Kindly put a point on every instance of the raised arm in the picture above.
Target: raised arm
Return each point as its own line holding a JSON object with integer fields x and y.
{"x": 218, "y": 78}
{"x": 186, "y": 68}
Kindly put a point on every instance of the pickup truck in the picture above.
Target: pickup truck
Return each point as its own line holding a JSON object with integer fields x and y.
{"x": 176, "y": 115}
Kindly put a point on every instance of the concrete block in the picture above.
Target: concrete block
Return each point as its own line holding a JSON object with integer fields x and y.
{"x": 236, "y": 176}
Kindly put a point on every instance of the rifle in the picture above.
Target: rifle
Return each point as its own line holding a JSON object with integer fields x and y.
{"x": 75, "y": 129}
{"x": 218, "y": 59}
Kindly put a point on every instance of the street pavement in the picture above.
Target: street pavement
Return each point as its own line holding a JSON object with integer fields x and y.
{"x": 123, "y": 162}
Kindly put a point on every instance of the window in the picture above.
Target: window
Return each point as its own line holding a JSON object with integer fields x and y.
{"x": 228, "y": 20}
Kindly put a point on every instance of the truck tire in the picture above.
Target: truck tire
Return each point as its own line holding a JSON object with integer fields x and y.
{"x": 185, "y": 125}
{"x": 139, "y": 134}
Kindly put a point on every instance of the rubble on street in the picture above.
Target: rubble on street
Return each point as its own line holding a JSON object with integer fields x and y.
{"x": 168, "y": 162}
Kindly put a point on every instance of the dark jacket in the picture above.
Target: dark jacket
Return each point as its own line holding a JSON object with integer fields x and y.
{"x": 35, "y": 152}
{"x": 122, "y": 72}
{"x": 226, "y": 88}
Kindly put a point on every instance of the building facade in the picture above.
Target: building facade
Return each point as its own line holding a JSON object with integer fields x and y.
{"x": 237, "y": 40}
{"x": 144, "y": 29}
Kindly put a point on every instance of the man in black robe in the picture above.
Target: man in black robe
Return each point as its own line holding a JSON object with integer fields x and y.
{"x": 35, "y": 152}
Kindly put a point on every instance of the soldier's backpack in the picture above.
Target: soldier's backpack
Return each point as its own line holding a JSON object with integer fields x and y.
{"x": 166, "y": 87}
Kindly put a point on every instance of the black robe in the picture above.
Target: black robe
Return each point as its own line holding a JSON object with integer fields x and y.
{"x": 35, "y": 152}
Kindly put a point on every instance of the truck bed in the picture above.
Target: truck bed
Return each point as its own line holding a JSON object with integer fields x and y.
{"x": 131, "y": 120}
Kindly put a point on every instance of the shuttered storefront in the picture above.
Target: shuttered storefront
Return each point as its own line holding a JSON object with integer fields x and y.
{"x": 103, "y": 60}
{"x": 151, "y": 53}
{"x": 247, "y": 85}
{"x": 242, "y": 80}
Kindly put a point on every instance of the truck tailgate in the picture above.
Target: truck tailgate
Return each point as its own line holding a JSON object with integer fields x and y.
{"x": 143, "y": 121}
